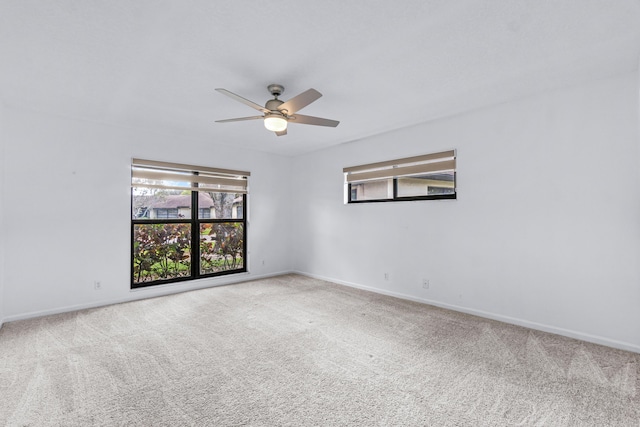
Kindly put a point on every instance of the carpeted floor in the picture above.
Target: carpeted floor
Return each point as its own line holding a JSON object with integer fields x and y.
{"x": 295, "y": 351}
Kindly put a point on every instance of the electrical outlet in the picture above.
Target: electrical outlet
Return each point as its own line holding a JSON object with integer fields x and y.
{"x": 97, "y": 285}
{"x": 262, "y": 262}
{"x": 386, "y": 276}
{"x": 425, "y": 283}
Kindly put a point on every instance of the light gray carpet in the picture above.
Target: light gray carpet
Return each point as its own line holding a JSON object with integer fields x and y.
{"x": 295, "y": 351}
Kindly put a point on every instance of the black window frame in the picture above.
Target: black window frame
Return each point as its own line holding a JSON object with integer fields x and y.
{"x": 397, "y": 198}
{"x": 195, "y": 223}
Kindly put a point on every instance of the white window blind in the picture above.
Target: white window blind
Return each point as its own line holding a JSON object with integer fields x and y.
{"x": 176, "y": 176}
{"x": 408, "y": 166}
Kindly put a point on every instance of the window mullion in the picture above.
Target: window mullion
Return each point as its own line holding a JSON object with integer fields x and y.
{"x": 195, "y": 234}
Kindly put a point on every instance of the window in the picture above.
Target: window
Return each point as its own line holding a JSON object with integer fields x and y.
{"x": 426, "y": 177}
{"x": 164, "y": 213}
{"x": 187, "y": 222}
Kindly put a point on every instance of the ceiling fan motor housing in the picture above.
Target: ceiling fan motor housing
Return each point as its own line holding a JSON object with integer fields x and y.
{"x": 273, "y": 104}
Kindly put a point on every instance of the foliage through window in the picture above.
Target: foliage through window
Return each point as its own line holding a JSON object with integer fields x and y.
{"x": 426, "y": 177}
{"x": 188, "y": 222}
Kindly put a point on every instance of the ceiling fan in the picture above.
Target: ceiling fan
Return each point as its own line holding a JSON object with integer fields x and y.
{"x": 277, "y": 113}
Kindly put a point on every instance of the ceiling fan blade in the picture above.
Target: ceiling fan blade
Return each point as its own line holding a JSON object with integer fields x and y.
{"x": 298, "y": 102}
{"x": 310, "y": 120}
{"x": 240, "y": 119}
{"x": 281, "y": 133}
{"x": 243, "y": 100}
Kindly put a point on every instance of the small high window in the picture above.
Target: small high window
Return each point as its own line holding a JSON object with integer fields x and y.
{"x": 426, "y": 177}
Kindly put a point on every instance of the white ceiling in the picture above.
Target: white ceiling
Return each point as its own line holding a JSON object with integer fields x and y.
{"x": 380, "y": 65}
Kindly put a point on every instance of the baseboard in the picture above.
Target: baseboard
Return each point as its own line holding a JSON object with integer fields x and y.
{"x": 134, "y": 296}
{"x": 506, "y": 319}
{"x": 140, "y": 294}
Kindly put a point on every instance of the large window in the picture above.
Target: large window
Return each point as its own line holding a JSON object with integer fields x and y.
{"x": 187, "y": 222}
{"x": 426, "y": 177}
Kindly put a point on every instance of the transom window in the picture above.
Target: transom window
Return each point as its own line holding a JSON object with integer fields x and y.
{"x": 425, "y": 177}
{"x": 187, "y": 222}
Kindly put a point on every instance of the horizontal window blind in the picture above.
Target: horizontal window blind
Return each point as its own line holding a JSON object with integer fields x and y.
{"x": 176, "y": 176}
{"x": 408, "y": 166}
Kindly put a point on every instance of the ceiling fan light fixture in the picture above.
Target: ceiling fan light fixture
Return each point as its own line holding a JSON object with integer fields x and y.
{"x": 275, "y": 123}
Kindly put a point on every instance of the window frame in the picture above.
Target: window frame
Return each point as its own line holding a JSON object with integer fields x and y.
{"x": 397, "y": 198}
{"x": 194, "y": 221}
{"x": 389, "y": 166}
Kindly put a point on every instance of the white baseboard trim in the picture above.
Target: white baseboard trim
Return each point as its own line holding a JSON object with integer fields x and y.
{"x": 506, "y": 319}
{"x": 139, "y": 294}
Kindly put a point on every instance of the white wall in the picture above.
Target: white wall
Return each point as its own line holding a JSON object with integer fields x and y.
{"x": 67, "y": 207}
{"x": 545, "y": 231}
{"x": 2, "y": 236}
